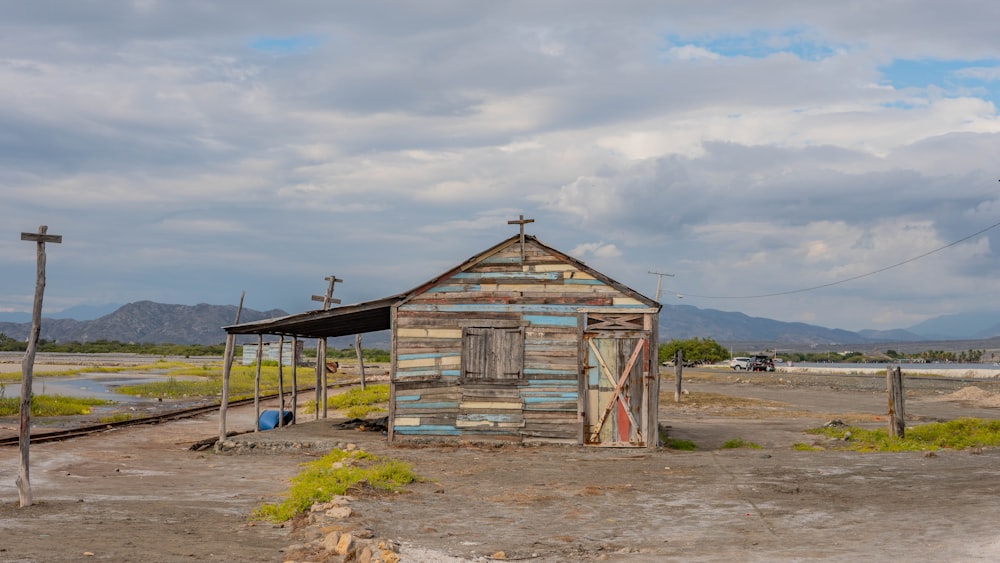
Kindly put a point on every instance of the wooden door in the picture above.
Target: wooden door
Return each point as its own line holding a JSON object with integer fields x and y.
{"x": 617, "y": 365}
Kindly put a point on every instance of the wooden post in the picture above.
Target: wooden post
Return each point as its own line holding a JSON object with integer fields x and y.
{"x": 327, "y": 300}
{"x": 678, "y": 377}
{"x": 295, "y": 379}
{"x": 320, "y": 373}
{"x": 227, "y": 368}
{"x": 23, "y": 480}
{"x": 324, "y": 372}
{"x": 897, "y": 416}
{"x": 361, "y": 359}
{"x": 281, "y": 383}
{"x": 256, "y": 382}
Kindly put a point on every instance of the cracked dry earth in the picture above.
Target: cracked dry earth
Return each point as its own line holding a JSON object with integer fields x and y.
{"x": 139, "y": 494}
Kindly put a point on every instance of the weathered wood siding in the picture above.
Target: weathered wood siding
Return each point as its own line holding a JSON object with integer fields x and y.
{"x": 544, "y": 296}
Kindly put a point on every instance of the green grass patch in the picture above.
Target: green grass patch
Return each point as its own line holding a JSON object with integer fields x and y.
{"x": 956, "y": 434}
{"x": 117, "y": 417}
{"x": 50, "y": 405}
{"x": 800, "y": 447}
{"x": 683, "y": 445}
{"x": 356, "y": 397}
{"x": 739, "y": 443}
{"x": 335, "y": 474}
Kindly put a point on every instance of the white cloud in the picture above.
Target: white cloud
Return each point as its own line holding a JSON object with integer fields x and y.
{"x": 753, "y": 147}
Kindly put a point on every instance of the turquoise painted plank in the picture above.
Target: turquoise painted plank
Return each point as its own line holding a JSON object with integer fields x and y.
{"x": 441, "y": 405}
{"x": 551, "y": 383}
{"x": 407, "y": 398}
{"x": 539, "y": 400}
{"x": 571, "y": 281}
{"x": 454, "y": 288}
{"x": 426, "y": 356}
{"x": 451, "y": 373}
{"x": 550, "y": 320}
{"x": 539, "y": 371}
{"x": 510, "y": 275}
{"x": 548, "y": 395}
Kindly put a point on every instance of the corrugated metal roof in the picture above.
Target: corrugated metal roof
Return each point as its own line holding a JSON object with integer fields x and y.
{"x": 359, "y": 318}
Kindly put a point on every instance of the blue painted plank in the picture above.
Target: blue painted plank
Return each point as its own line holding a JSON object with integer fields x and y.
{"x": 550, "y": 320}
{"x": 551, "y": 383}
{"x": 539, "y": 371}
{"x": 451, "y": 373}
{"x": 539, "y": 400}
{"x": 425, "y": 356}
{"x": 407, "y": 398}
{"x": 454, "y": 288}
{"x": 571, "y": 281}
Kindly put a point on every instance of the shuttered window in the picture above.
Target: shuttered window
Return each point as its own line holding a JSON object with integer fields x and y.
{"x": 492, "y": 353}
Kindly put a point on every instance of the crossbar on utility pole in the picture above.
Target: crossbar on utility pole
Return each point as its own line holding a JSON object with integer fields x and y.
{"x": 659, "y": 280}
{"x": 28, "y": 364}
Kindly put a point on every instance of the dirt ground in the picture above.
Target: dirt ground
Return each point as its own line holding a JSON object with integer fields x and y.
{"x": 139, "y": 493}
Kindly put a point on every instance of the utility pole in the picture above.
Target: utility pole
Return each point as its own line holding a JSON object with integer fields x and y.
{"x": 659, "y": 281}
{"x": 28, "y": 364}
{"x": 327, "y": 300}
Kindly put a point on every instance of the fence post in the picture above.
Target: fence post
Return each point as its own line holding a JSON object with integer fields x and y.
{"x": 897, "y": 416}
{"x": 678, "y": 377}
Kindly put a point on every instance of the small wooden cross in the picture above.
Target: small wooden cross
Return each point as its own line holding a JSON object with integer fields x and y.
{"x": 328, "y": 298}
{"x": 521, "y": 222}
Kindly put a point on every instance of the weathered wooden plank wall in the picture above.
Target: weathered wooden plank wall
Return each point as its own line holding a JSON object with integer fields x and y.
{"x": 544, "y": 294}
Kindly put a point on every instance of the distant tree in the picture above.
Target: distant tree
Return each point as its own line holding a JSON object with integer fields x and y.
{"x": 695, "y": 350}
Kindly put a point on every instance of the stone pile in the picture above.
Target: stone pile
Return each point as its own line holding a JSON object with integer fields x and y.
{"x": 330, "y": 538}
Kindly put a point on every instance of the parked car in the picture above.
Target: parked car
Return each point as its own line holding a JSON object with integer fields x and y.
{"x": 740, "y": 363}
{"x": 761, "y": 362}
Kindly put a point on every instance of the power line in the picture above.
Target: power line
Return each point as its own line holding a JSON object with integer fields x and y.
{"x": 845, "y": 280}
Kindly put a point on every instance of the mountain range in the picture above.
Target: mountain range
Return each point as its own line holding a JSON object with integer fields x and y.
{"x": 147, "y": 321}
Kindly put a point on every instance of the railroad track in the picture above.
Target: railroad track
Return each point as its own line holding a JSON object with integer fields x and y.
{"x": 70, "y": 433}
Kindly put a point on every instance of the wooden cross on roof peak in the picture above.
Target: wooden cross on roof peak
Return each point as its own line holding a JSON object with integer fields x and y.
{"x": 521, "y": 222}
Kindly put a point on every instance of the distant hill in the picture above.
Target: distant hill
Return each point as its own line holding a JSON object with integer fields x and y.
{"x": 959, "y": 326}
{"x": 686, "y": 321}
{"x": 146, "y": 321}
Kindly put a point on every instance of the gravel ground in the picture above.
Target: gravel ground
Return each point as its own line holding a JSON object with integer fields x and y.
{"x": 139, "y": 494}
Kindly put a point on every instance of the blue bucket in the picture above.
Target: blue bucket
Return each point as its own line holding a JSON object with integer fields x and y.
{"x": 269, "y": 419}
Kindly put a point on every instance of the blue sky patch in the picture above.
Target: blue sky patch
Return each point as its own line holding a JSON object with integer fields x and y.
{"x": 284, "y": 45}
{"x": 760, "y": 44}
{"x": 979, "y": 78}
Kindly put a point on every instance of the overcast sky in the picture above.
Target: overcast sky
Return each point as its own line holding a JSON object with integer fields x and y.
{"x": 189, "y": 150}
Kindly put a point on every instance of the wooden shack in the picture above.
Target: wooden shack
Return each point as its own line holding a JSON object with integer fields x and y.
{"x": 519, "y": 343}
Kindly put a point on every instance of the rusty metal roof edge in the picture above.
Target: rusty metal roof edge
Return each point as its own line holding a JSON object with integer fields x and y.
{"x": 262, "y": 325}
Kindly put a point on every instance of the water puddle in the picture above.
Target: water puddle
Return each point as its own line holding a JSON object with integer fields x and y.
{"x": 91, "y": 385}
